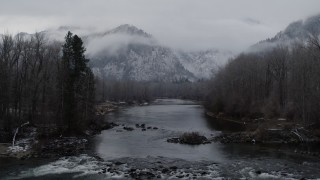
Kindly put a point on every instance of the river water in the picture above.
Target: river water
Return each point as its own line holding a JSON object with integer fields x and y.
{"x": 148, "y": 151}
{"x": 172, "y": 118}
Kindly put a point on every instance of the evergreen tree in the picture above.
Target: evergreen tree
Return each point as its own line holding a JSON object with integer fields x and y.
{"x": 68, "y": 82}
{"x": 78, "y": 85}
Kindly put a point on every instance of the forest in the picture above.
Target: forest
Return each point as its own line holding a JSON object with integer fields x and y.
{"x": 50, "y": 84}
{"x": 46, "y": 83}
{"x": 281, "y": 82}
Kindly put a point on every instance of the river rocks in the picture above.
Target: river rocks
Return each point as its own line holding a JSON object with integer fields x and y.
{"x": 165, "y": 170}
{"x": 142, "y": 175}
{"x": 96, "y": 127}
{"x": 174, "y": 168}
{"x": 65, "y": 146}
{"x": 104, "y": 170}
{"x": 234, "y": 138}
{"x": 107, "y": 126}
{"x": 173, "y": 140}
{"x": 128, "y": 128}
{"x": 141, "y": 126}
{"x": 118, "y": 163}
{"x": 192, "y": 138}
{"x": 145, "y": 128}
{"x": 162, "y": 168}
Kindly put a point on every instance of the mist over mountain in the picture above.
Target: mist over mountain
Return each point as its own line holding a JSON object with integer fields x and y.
{"x": 299, "y": 31}
{"x": 127, "y": 52}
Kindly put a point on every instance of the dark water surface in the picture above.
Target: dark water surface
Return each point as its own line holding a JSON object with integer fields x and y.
{"x": 147, "y": 149}
{"x": 172, "y": 118}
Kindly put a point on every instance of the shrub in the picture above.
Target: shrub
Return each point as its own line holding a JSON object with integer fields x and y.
{"x": 192, "y": 138}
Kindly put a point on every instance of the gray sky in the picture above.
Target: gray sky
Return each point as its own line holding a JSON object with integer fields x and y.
{"x": 186, "y": 24}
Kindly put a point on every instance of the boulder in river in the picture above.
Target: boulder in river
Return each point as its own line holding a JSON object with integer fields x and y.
{"x": 192, "y": 138}
{"x": 128, "y": 128}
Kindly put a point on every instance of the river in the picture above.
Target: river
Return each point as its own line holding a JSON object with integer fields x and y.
{"x": 138, "y": 151}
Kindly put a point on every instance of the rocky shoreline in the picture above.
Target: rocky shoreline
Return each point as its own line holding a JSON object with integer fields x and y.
{"x": 272, "y": 132}
{"x": 35, "y": 142}
{"x": 53, "y": 147}
{"x": 261, "y": 130}
{"x": 47, "y": 142}
{"x": 277, "y": 137}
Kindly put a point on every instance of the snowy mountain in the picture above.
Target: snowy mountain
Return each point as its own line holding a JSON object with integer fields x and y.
{"x": 204, "y": 64}
{"x": 297, "y": 31}
{"x": 141, "y": 62}
{"x": 129, "y": 30}
{"x": 127, "y": 52}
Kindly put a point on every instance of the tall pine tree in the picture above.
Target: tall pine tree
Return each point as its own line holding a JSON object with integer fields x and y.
{"x": 78, "y": 85}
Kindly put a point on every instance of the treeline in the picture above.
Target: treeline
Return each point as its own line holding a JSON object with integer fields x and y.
{"x": 134, "y": 91}
{"x": 182, "y": 90}
{"x": 281, "y": 82}
{"x": 122, "y": 91}
{"x": 44, "y": 82}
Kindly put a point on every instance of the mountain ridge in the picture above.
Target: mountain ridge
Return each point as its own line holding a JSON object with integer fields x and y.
{"x": 300, "y": 30}
{"x": 140, "y": 57}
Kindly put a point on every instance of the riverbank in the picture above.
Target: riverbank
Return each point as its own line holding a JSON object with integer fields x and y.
{"x": 45, "y": 141}
{"x": 54, "y": 146}
{"x": 267, "y": 131}
{"x": 39, "y": 141}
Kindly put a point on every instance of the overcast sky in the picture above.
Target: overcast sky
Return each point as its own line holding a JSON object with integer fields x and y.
{"x": 186, "y": 24}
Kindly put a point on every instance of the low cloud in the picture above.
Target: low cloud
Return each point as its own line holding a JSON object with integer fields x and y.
{"x": 182, "y": 24}
{"x": 112, "y": 44}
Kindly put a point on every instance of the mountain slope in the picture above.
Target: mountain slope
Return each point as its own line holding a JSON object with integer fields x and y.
{"x": 142, "y": 63}
{"x": 204, "y": 64}
{"x": 297, "y": 31}
{"x": 127, "y": 52}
